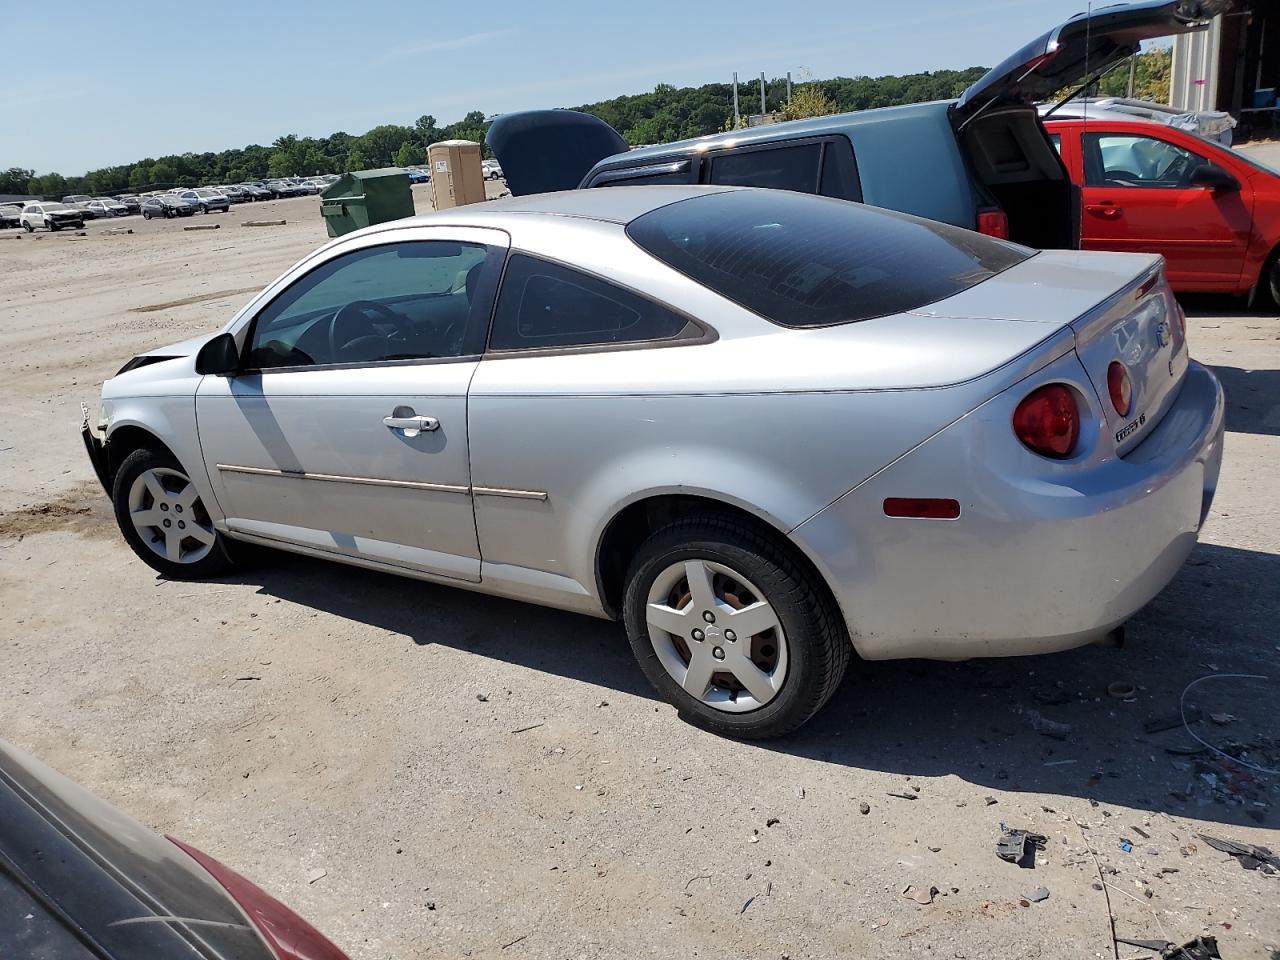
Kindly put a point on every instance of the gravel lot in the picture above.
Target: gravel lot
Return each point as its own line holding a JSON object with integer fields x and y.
{"x": 481, "y": 778}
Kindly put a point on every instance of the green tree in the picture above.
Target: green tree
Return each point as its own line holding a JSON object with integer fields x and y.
{"x": 1152, "y": 70}
{"x": 809, "y": 100}
{"x": 15, "y": 180}
{"x": 409, "y": 154}
{"x": 356, "y": 160}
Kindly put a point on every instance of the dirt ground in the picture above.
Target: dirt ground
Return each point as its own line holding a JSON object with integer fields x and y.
{"x": 424, "y": 772}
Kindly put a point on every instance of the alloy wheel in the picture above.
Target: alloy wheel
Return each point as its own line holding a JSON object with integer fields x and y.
{"x": 166, "y": 511}
{"x": 716, "y": 635}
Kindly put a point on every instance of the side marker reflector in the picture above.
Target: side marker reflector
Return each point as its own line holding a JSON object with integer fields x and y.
{"x": 922, "y": 508}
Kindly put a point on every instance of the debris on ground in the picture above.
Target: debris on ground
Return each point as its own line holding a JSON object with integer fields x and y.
{"x": 990, "y": 801}
{"x": 1019, "y": 846}
{"x": 1121, "y": 690}
{"x": 864, "y": 808}
{"x": 1126, "y": 845}
{"x": 1250, "y": 857}
{"x": 319, "y": 873}
{"x": 1037, "y": 895}
{"x": 264, "y": 223}
{"x": 1171, "y": 721}
{"x": 1049, "y": 728}
{"x": 921, "y": 895}
{"x": 902, "y": 796}
{"x": 1201, "y": 948}
{"x": 1222, "y": 719}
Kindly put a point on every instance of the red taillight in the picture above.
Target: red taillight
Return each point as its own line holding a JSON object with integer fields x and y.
{"x": 1120, "y": 387}
{"x": 994, "y": 222}
{"x": 1048, "y": 420}
{"x": 287, "y": 934}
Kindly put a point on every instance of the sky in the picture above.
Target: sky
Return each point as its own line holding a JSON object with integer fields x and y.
{"x": 147, "y": 80}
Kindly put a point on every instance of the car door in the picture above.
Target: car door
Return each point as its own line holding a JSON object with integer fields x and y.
{"x": 345, "y": 429}
{"x": 535, "y": 439}
{"x": 1139, "y": 195}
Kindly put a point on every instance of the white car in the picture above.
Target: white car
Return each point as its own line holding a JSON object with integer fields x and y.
{"x": 50, "y": 214}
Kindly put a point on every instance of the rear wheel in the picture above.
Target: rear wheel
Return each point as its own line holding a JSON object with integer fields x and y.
{"x": 731, "y": 630}
{"x": 1272, "y": 279}
{"x": 162, "y": 517}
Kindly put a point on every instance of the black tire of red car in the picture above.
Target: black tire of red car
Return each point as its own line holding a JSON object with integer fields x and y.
{"x": 217, "y": 561}
{"x": 1273, "y": 279}
{"x": 818, "y": 647}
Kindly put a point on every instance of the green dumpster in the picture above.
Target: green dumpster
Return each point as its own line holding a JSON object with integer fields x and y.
{"x": 366, "y": 197}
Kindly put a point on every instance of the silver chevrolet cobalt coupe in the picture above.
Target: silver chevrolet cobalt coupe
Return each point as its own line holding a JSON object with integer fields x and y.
{"x": 764, "y": 429}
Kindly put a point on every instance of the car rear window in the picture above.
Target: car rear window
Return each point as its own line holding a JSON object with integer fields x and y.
{"x": 807, "y": 261}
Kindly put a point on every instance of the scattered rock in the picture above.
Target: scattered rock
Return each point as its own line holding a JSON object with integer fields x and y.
{"x": 1036, "y": 895}
{"x": 864, "y": 808}
{"x": 921, "y": 895}
{"x": 482, "y": 697}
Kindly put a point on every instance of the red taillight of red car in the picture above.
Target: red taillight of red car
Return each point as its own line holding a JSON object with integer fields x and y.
{"x": 1047, "y": 421}
{"x": 1120, "y": 387}
{"x": 287, "y": 934}
{"x": 994, "y": 222}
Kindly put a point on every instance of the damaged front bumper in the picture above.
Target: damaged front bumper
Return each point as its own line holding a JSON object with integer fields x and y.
{"x": 95, "y": 444}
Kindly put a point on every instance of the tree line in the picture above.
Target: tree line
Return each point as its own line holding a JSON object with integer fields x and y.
{"x": 666, "y": 113}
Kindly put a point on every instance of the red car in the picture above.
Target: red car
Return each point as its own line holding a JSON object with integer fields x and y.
{"x": 79, "y": 880}
{"x": 1212, "y": 212}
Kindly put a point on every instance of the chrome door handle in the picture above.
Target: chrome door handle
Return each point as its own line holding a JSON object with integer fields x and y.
{"x": 411, "y": 426}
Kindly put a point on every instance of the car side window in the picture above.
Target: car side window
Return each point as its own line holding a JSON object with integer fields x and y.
{"x": 414, "y": 300}
{"x": 545, "y": 305}
{"x": 1131, "y": 160}
{"x": 1056, "y": 140}
{"x": 792, "y": 167}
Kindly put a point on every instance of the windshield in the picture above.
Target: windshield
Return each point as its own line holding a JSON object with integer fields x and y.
{"x": 807, "y": 261}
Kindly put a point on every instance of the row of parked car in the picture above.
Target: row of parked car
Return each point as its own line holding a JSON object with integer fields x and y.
{"x": 75, "y": 209}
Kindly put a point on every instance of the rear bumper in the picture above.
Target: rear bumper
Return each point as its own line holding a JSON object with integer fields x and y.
{"x": 1033, "y": 565}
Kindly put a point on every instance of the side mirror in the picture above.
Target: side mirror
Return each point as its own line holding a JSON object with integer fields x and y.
{"x": 219, "y": 357}
{"x": 1213, "y": 177}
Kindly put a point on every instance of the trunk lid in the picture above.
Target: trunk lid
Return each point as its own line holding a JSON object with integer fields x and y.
{"x": 1119, "y": 308}
{"x": 1081, "y": 47}
{"x": 545, "y": 150}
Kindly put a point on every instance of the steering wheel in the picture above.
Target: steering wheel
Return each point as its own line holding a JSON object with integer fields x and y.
{"x": 356, "y": 317}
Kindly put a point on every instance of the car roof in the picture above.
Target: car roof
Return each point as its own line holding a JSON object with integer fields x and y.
{"x": 1100, "y": 114}
{"x": 611, "y": 205}
{"x": 769, "y": 132}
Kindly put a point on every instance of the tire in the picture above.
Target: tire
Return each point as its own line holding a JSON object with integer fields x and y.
{"x": 146, "y": 215}
{"x": 1271, "y": 282}
{"x": 26, "y": 225}
{"x": 53, "y": 227}
{"x": 800, "y": 659}
{"x": 152, "y": 485}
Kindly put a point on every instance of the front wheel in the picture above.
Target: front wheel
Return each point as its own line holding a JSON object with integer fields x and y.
{"x": 163, "y": 519}
{"x": 1273, "y": 281}
{"x": 28, "y": 227}
{"x": 731, "y": 630}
